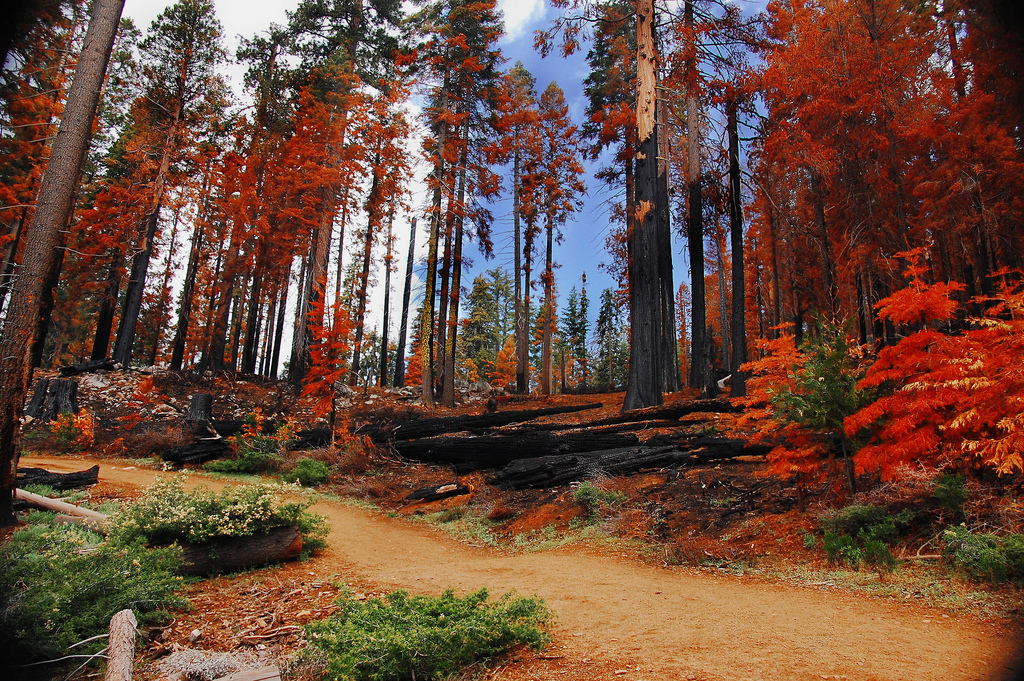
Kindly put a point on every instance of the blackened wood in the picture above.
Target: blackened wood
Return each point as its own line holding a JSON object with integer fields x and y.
{"x": 37, "y": 405}
{"x": 724, "y": 447}
{"x": 231, "y": 554}
{"x": 311, "y": 439}
{"x": 197, "y": 452}
{"x": 553, "y": 471}
{"x": 438, "y": 492}
{"x": 87, "y": 367}
{"x": 61, "y": 398}
{"x": 494, "y": 451}
{"x": 410, "y": 430}
{"x": 674, "y": 410}
{"x": 200, "y": 408}
{"x": 41, "y": 476}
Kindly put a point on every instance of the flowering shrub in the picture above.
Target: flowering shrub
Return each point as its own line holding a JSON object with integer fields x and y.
{"x": 168, "y": 513}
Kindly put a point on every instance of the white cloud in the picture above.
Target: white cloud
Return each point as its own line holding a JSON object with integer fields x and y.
{"x": 519, "y": 14}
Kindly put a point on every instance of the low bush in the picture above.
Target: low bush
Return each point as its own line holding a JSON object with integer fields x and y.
{"x": 861, "y": 534}
{"x": 308, "y": 472}
{"x": 256, "y": 451}
{"x": 951, "y": 494}
{"x": 593, "y": 499}
{"x": 424, "y": 637}
{"x": 984, "y": 555}
{"x": 168, "y": 513}
{"x": 61, "y": 584}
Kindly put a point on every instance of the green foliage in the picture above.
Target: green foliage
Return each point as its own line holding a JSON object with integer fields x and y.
{"x": 41, "y": 490}
{"x": 951, "y": 494}
{"x": 425, "y": 637}
{"x": 308, "y": 472}
{"x": 167, "y": 513}
{"x": 861, "y": 534}
{"x": 825, "y": 389}
{"x": 61, "y": 584}
{"x": 985, "y": 555}
{"x": 593, "y": 499}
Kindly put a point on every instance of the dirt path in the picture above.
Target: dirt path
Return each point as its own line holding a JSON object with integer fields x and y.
{"x": 621, "y": 619}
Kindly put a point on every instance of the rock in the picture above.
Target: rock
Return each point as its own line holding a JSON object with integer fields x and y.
{"x": 343, "y": 390}
{"x": 481, "y": 387}
{"x": 194, "y": 636}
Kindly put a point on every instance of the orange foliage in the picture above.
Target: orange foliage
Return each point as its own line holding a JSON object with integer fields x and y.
{"x": 954, "y": 399}
{"x": 332, "y": 342}
{"x": 504, "y": 373}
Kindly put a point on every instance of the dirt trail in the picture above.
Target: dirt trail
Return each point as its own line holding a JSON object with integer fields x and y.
{"x": 621, "y": 619}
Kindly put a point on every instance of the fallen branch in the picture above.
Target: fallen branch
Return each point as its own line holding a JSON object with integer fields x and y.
{"x": 47, "y": 504}
{"x": 273, "y": 633}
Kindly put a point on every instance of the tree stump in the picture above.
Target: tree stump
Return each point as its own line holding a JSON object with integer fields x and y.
{"x": 121, "y": 646}
{"x": 200, "y": 408}
{"x": 61, "y": 398}
{"x": 59, "y": 481}
{"x": 37, "y": 405}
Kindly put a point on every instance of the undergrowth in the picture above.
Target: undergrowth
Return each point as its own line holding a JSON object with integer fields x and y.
{"x": 61, "y": 584}
{"x": 168, "y": 513}
{"x": 425, "y": 637}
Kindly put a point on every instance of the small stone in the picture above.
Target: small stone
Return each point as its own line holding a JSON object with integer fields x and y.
{"x": 194, "y": 636}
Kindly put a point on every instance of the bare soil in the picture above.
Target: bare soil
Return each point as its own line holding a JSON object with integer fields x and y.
{"x": 618, "y": 617}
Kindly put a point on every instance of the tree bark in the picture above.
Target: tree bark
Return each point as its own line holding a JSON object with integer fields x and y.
{"x": 231, "y": 554}
{"x": 739, "y": 297}
{"x": 121, "y": 646}
{"x": 448, "y": 388}
{"x": 54, "y": 203}
{"x": 645, "y": 375}
{"x": 669, "y": 343}
{"x": 700, "y": 372}
{"x": 410, "y": 430}
{"x": 430, "y": 284}
{"x": 382, "y": 379}
{"x": 519, "y": 331}
{"x": 406, "y": 300}
{"x": 58, "y": 481}
{"x": 547, "y": 320}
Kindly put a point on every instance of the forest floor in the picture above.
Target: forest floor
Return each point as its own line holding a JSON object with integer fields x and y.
{"x": 701, "y": 573}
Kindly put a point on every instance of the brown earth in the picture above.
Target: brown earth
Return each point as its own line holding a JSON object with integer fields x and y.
{"x": 616, "y": 617}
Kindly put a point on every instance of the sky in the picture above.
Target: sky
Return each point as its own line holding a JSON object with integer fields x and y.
{"x": 582, "y": 246}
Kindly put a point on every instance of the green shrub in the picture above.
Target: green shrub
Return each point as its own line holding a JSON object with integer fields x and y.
{"x": 425, "y": 637}
{"x": 950, "y": 493}
{"x": 61, "y": 584}
{"x": 984, "y": 555}
{"x": 256, "y": 451}
{"x": 308, "y": 472}
{"x": 593, "y": 499}
{"x": 167, "y": 513}
{"x": 861, "y": 534}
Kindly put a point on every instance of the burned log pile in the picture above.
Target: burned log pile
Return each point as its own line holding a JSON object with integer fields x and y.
{"x": 58, "y": 481}
{"x": 471, "y": 423}
{"x": 526, "y": 454}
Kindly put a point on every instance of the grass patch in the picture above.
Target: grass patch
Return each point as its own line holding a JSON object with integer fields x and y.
{"x": 425, "y": 637}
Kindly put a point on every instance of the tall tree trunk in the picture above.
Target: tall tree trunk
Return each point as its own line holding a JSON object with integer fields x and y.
{"x": 406, "y": 300}
{"x": 429, "y": 288}
{"x": 388, "y": 257}
{"x": 739, "y": 297}
{"x": 165, "y": 292}
{"x": 440, "y": 360}
{"x": 723, "y": 311}
{"x": 669, "y": 344}
{"x": 275, "y": 358}
{"x": 645, "y": 355}
{"x": 448, "y": 388}
{"x": 108, "y": 306}
{"x": 828, "y": 267}
{"x": 140, "y": 262}
{"x": 191, "y": 271}
{"x": 519, "y": 332}
{"x": 11, "y": 256}
{"x": 547, "y": 322}
{"x": 374, "y": 210}
{"x": 46, "y": 310}
{"x": 54, "y": 203}
{"x": 700, "y": 372}
{"x": 527, "y": 273}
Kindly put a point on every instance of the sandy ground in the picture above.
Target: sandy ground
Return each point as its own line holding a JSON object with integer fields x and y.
{"x": 618, "y": 618}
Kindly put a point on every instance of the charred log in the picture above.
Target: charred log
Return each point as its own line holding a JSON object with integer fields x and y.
{"x": 554, "y": 471}
{"x": 197, "y": 452}
{"x": 231, "y": 554}
{"x": 495, "y": 451}
{"x": 58, "y": 481}
{"x": 474, "y": 423}
{"x": 61, "y": 398}
{"x": 88, "y": 367}
{"x": 37, "y": 405}
{"x": 311, "y": 439}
